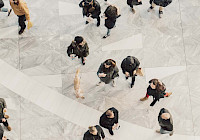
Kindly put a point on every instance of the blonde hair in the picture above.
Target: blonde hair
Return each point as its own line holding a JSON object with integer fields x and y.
{"x": 92, "y": 129}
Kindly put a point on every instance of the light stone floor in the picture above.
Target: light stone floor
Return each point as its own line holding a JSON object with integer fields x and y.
{"x": 168, "y": 48}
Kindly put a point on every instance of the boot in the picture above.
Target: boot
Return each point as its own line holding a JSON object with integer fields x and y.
{"x": 21, "y": 31}
{"x": 6, "y": 116}
{"x": 9, "y": 12}
{"x": 144, "y": 99}
{"x": 160, "y": 14}
{"x": 111, "y": 132}
{"x": 86, "y": 22}
{"x": 171, "y": 133}
{"x": 9, "y": 128}
{"x": 105, "y": 36}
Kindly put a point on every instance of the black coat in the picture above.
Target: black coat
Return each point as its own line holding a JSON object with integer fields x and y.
{"x": 109, "y": 122}
{"x": 133, "y": 2}
{"x": 111, "y": 73}
{"x": 165, "y": 124}
{"x": 162, "y": 3}
{"x": 111, "y": 19}
{"x": 87, "y": 9}
{"x": 89, "y": 136}
{"x": 1, "y": 3}
{"x": 130, "y": 64}
{"x": 80, "y": 51}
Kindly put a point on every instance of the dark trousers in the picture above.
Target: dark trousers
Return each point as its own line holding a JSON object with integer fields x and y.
{"x": 133, "y": 80}
{"x": 21, "y": 21}
{"x": 98, "y": 19}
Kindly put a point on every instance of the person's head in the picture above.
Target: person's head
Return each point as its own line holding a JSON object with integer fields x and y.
{"x": 92, "y": 130}
{"x": 165, "y": 116}
{"x": 112, "y": 10}
{"x": 110, "y": 114}
{"x": 153, "y": 83}
{"x": 109, "y": 63}
{"x": 78, "y": 40}
{"x": 16, "y": 1}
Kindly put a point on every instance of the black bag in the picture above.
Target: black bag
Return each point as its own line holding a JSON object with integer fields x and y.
{"x": 1, "y": 4}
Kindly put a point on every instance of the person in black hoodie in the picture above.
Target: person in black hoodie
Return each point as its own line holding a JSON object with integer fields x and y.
{"x": 165, "y": 122}
{"x": 129, "y": 66}
{"x": 79, "y": 48}
{"x": 111, "y": 14}
{"x": 91, "y": 9}
{"x": 133, "y": 2}
{"x": 94, "y": 133}
{"x": 109, "y": 120}
{"x": 160, "y": 3}
{"x": 156, "y": 89}
{"x": 107, "y": 72}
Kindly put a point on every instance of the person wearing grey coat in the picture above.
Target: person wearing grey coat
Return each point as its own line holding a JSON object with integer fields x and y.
{"x": 107, "y": 72}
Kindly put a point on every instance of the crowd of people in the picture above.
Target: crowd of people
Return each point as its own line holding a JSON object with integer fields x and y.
{"x": 107, "y": 71}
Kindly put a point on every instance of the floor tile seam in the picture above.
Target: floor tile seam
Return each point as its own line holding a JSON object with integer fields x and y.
{"x": 186, "y": 68}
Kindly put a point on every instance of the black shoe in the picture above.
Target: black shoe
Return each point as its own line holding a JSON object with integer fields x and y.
{"x": 126, "y": 78}
{"x": 86, "y": 22}
{"x": 98, "y": 23}
{"x": 21, "y": 31}
{"x": 160, "y": 14}
{"x": 105, "y": 36}
{"x": 9, "y": 12}
{"x": 111, "y": 132}
{"x": 83, "y": 61}
{"x": 132, "y": 85}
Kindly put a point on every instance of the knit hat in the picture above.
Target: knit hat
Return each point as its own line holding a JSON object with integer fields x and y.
{"x": 78, "y": 39}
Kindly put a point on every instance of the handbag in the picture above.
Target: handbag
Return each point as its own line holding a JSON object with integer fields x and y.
{"x": 1, "y": 4}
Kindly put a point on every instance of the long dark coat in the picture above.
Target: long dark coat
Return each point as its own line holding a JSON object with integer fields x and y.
{"x": 111, "y": 18}
{"x": 1, "y": 132}
{"x": 109, "y": 122}
{"x": 1, "y": 3}
{"x": 80, "y": 51}
{"x": 87, "y": 9}
{"x": 111, "y": 73}
{"x": 130, "y": 64}
{"x": 165, "y": 124}
{"x": 133, "y": 2}
{"x": 89, "y": 136}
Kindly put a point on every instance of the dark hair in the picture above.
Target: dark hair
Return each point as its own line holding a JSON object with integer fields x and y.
{"x": 110, "y": 62}
{"x": 111, "y": 11}
{"x": 78, "y": 39}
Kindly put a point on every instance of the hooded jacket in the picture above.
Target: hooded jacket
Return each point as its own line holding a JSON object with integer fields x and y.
{"x": 165, "y": 124}
{"x": 88, "y": 9}
{"x": 80, "y": 51}
{"x": 129, "y": 64}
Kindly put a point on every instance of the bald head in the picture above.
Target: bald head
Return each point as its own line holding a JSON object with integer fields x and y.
{"x": 165, "y": 116}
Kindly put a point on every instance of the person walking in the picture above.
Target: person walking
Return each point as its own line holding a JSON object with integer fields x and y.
{"x": 160, "y": 3}
{"x": 3, "y": 117}
{"x": 94, "y": 133}
{"x": 134, "y": 2}
{"x": 110, "y": 15}
{"x": 2, "y": 9}
{"x": 165, "y": 122}
{"x": 109, "y": 120}
{"x": 156, "y": 89}
{"x": 21, "y": 10}
{"x": 107, "y": 72}
{"x": 91, "y": 9}
{"x": 129, "y": 67}
{"x": 78, "y": 47}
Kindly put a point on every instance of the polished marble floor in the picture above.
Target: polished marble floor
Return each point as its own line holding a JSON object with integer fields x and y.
{"x": 168, "y": 48}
